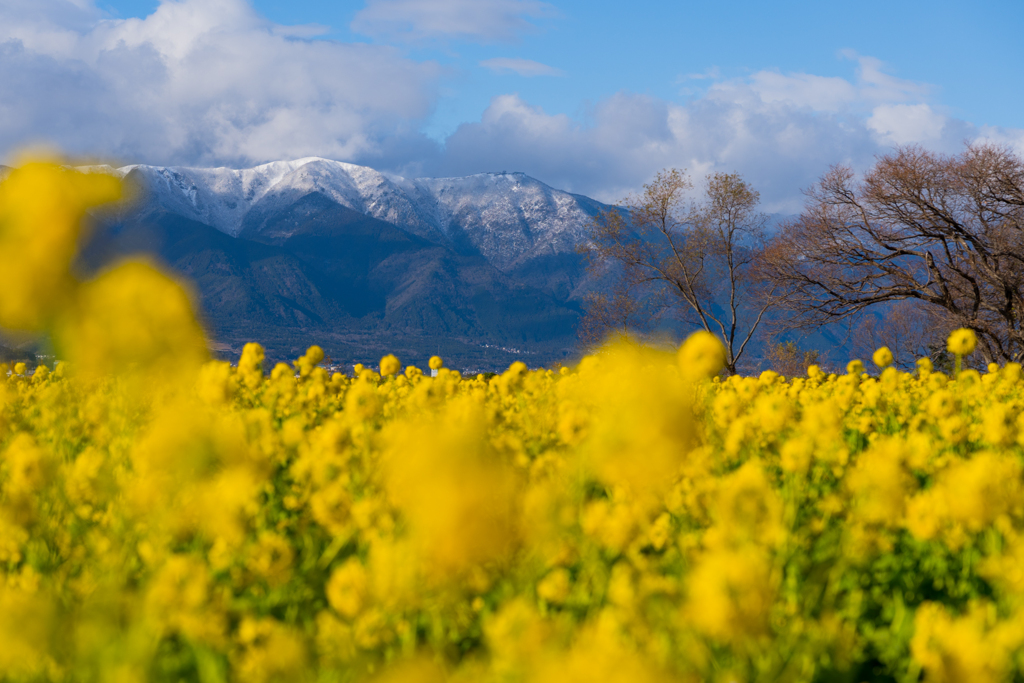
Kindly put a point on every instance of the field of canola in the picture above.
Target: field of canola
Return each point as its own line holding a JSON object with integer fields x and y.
{"x": 633, "y": 519}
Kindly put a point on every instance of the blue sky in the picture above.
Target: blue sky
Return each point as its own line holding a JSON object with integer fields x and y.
{"x": 593, "y": 97}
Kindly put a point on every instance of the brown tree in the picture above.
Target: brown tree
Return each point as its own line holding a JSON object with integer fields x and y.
{"x": 945, "y": 231}
{"x": 616, "y": 312}
{"x": 697, "y": 256}
{"x": 787, "y": 359}
{"x": 907, "y": 328}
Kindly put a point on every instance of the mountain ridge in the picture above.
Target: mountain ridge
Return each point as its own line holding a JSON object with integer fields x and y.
{"x": 483, "y": 268}
{"x": 508, "y": 217}
{"x": 359, "y": 261}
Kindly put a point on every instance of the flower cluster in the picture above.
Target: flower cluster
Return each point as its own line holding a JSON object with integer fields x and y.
{"x": 637, "y": 517}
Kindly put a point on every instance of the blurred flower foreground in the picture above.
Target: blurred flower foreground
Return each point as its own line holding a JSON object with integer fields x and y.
{"x": 165, "y": 517}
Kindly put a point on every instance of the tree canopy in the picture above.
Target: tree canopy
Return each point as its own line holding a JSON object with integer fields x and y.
{"x": 679, "y": 255}
{"x": 945, "y": 231}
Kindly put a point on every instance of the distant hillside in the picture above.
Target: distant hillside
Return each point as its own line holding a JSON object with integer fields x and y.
{"x": 14, "y": 350}
{"x": 483, "y": 269}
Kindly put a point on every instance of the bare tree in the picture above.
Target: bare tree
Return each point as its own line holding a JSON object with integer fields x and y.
{"x": 789, "y": 360}
{"x": 907, "y": 328}
{"x": 617, "y": 312}
{"x": 943, "y": 230}
{"x": 699, "y": 255}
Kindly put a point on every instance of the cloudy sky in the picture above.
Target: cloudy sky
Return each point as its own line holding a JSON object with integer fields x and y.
{"x": 592, "y": 96}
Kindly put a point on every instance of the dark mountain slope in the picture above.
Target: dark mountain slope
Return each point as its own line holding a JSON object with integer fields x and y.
{"x": 239, "y": 282}
{"x": 318, "y": 271}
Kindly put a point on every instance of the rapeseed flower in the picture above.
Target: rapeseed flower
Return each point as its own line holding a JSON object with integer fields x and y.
{"x": 348, "y": 588}
{"x": 882, "y": 357}
{"x": 42, "y": 212}
{"x": 632, "y": 517}
{"x": 702, "y": 355}
{"x": 389, "y": 365}
{"x": 962, "y": 342}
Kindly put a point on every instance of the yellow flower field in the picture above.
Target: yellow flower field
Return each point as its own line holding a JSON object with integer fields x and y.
{"x": 636, "y": 518}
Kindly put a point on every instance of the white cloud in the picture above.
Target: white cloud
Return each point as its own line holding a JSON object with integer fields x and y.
{"x": 904, "y": 124}
{"x": 200, "y": 82}
{"x": 779, "y": 148}
{"x": 820, "y": 93}
{"x": 45, "y": 15}
{"x": 210, "y": 82}
{"x": 780, "y": 131}
{"x": 301, "y": 30}
{"x": 482, "y": 21}
{"x": 832, "y": 93}
{"x": 521, "y": 67}
{"x": 877, "y": 86}
{"x": 1012, "y": 138}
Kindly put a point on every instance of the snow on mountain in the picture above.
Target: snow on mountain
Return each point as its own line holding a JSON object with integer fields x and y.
{"x": 509, "y": 217}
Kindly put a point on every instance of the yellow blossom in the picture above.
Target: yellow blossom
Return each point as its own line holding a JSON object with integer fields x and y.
{"x": 42, "y": 207}
{"x": 962, "y": 342}
{"x": 702, "y": 355}
{"x": 882, "y": 357}
{"x": 347, "y": 588}
{"x": 389, "y": 365}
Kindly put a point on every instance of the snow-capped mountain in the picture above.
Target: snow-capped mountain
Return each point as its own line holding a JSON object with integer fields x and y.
{"x": 362, "y": 262}
{"x": 509, "y": 218}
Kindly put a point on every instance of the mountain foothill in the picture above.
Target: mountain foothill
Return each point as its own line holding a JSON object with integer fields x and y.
{"x": 482, "y": 270}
